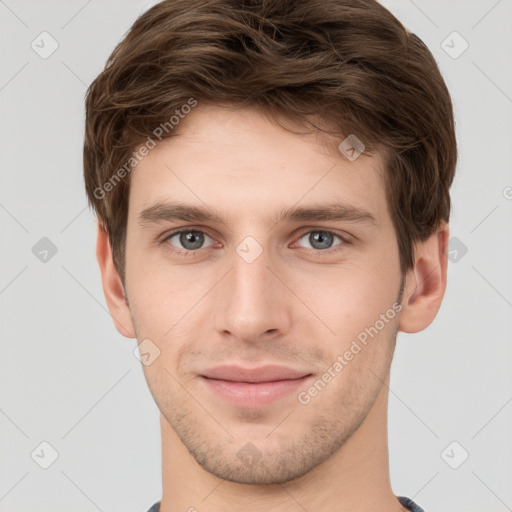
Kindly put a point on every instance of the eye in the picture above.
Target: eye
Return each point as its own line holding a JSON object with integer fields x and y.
{"x": 321, "y": 240}
{"x": 190, "y": 240}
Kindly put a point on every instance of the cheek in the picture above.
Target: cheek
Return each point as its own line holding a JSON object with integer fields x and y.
{"x": 152, "y": 284}
{"x": 347, "y": 299}
{"x": 167, "y": 305}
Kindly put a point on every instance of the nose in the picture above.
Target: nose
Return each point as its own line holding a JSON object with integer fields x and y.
{"x": 252, "y": 302}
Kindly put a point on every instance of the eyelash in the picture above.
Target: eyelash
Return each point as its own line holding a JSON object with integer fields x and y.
{"x": 183, "y": 252}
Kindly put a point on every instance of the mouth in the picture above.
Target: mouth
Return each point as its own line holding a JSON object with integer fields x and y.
{"x": 253, "y": 387}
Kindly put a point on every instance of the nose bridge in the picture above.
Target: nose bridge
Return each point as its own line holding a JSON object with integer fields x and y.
{"x": 251, "y": 301}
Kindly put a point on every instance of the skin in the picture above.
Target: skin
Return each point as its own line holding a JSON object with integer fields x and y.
{"x": 293, "y": 305}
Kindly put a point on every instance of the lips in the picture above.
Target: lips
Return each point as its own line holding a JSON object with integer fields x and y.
{"x": 268, "y": 373}
{"x": 253, "y": 387}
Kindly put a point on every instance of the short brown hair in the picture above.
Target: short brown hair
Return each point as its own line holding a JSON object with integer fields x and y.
{"x": 348, "y": 62}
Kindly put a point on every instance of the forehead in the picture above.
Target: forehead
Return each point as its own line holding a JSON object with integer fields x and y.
{"x": 240, "y": 160}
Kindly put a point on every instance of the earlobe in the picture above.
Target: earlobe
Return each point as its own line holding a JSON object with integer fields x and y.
{"x": 425, "y": 284}
{"x": 112, "y": 286}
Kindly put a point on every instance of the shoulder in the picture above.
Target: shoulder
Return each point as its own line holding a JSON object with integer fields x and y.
{"x": 406, "y": 502}
{"x": 155, "y": 507}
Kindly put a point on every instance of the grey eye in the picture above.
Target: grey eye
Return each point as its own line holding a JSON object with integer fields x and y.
{"x": 320, "y": 240}
{"x": 190, "y": 240}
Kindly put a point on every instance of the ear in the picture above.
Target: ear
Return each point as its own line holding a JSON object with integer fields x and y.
{"x": 112, "y": 286}
{"x": 425, "y": 284}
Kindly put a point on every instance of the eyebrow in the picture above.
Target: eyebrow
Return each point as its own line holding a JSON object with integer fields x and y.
{"x": 165, "y": 212}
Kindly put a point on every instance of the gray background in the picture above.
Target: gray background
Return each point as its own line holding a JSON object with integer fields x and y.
{"x": 69, "y": 379}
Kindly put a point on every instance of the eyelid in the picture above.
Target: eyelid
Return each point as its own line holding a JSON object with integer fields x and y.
{"x": 345, "y": 239}
{"x": 340, "y": 234}
{"x": 168, "y": 235}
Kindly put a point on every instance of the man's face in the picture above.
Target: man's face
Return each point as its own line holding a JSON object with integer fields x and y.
{"x": 249, "y": 290}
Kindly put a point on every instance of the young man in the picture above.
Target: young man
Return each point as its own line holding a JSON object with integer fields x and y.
{"x": 271, "y": 180}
